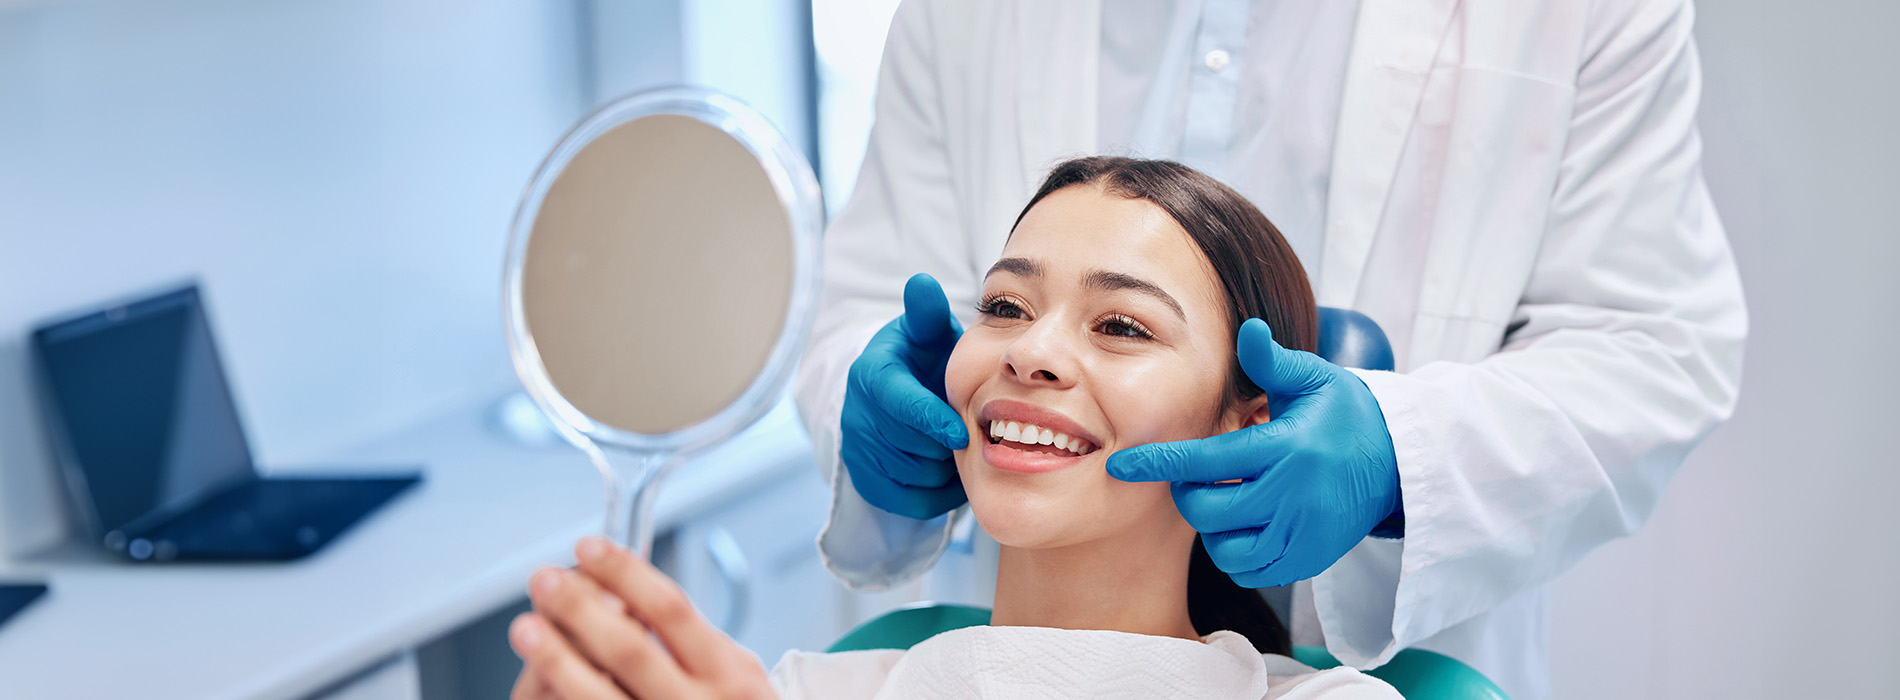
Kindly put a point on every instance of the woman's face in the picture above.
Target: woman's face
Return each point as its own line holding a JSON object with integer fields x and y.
{"x": 1104, "y": 324}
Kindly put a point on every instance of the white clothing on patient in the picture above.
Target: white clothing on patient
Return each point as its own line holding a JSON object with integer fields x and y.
{"x": 1040, "y": 662}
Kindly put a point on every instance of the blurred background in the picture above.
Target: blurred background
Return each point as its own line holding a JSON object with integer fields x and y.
{"x": 341, "y": 176}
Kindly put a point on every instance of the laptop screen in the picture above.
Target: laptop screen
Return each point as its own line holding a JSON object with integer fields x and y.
{"x": 139, "y": 406}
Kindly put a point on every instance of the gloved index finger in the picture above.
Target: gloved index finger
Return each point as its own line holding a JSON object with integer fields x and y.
{"x": 1224, "y": 457}
{"x": 903, "y": 398}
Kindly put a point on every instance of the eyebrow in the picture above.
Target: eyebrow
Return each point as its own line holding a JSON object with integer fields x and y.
{"x": 1099, "y": 279}
{"x": 1116, "y": 281}
{"x": 1021, "y": 267}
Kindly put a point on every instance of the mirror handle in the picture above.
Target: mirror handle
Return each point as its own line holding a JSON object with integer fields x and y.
{"x": 735, "y": 572}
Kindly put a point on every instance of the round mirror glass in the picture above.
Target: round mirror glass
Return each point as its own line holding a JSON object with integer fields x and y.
{"x": 660, "y": 282}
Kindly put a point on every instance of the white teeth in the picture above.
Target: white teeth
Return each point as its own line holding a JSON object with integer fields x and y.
{"x": 1027, "y": 434}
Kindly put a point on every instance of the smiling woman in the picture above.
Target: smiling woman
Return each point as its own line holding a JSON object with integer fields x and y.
{"x": 1108, "y": 322}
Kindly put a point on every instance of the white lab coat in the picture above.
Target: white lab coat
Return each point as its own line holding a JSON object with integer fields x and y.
{"x": 1516, "y": 198}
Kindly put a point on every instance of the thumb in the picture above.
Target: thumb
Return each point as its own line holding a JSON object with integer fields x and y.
{"x": 1280, "y": 372}
{"x": 927, "y": 318}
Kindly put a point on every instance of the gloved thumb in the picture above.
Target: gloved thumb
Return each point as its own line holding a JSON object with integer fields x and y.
{"x": 1280, "y": 372}
{"x": 927, "y": 318}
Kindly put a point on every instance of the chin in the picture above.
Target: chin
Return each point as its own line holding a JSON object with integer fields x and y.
{"x": 1021, "y": 510}
{"x": 1023, "y": 522}
{"x": 1047, "y": 511}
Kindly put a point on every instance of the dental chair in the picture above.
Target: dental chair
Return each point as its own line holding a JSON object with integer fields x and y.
{"x": 1346, "y": 338}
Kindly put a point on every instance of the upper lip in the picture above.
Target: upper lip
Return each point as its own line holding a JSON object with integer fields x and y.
{"x": 1048, "y": 418}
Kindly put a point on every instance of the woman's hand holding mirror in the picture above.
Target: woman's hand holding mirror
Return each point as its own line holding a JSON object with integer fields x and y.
{"x": 616, "y": 627}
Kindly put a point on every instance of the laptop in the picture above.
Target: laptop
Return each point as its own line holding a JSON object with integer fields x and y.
{"x": 14, "y": 597}
{"x": 147, "y": 436}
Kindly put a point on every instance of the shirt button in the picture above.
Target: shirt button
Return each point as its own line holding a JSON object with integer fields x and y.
{"x": 1217, "y": 60}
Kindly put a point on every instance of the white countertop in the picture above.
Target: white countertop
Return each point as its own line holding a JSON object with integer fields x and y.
{"x": 460, "y": 544}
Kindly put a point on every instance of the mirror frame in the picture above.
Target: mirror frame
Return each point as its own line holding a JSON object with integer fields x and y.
{"x": 797, "y": 189}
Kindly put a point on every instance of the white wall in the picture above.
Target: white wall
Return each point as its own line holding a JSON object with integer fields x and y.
{"x": 340, "y": 175}
{"x": 1768, "y": 571}
{"x": 756, "y": 50}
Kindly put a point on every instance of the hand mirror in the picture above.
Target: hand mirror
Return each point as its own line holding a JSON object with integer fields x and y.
{"x": 660, "y": 281}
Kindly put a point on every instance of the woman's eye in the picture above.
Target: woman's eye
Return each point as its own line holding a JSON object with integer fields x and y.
{"x": 1123, "y": 329}
{"x": 1001, "y": 309}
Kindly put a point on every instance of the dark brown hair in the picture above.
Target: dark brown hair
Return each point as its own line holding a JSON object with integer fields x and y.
{"x": 1263, "y": 279}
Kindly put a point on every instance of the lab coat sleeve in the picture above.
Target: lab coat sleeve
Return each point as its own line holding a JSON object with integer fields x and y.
{"x": 1624, "y": 352}
{"x": 903, "y": 218}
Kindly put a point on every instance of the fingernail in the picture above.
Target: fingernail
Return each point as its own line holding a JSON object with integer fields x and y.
{"x": 546, "y": 581}
{"x": 527, "y": 634}
{"x": 591, "y": 549}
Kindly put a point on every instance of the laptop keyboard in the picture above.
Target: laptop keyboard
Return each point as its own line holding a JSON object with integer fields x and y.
{"x": 273, "y": 518}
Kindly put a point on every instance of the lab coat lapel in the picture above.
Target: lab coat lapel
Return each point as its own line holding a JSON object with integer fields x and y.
{"x": 1393, "y": 48}
{"x": 1059, "y": 46}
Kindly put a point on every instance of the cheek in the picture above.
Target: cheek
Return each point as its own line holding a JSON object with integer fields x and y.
{"x": 1151, "y": 402}
{"x": 972, "y": 361}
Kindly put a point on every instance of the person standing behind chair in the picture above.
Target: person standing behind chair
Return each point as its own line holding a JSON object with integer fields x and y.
{"x": 1512, "y": 190}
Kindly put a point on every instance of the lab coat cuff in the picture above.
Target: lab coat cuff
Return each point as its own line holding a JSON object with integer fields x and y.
{"x": 1366, "y": 601}
{"x": 871, "y": 549}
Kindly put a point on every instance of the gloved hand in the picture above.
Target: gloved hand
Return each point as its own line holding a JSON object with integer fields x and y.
{"x": 899, "y": 430}
{"x": 1315, "y": 479}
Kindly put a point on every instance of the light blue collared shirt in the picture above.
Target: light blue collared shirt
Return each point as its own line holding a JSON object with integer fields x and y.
{"x": 1245, "y": 91}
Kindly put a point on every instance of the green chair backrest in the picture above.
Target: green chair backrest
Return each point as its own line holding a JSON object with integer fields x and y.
{"x": 1416, "y": 673}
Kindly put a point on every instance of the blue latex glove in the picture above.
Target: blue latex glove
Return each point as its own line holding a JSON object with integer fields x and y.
{"x": 1316, "y": 478}
{"x": 898, "y": 429}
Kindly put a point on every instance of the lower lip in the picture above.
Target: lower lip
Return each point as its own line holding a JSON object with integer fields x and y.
{"x": 1011, "y": 459}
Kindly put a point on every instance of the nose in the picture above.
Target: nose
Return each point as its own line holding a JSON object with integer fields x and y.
{"x": 1043, "y": 356}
